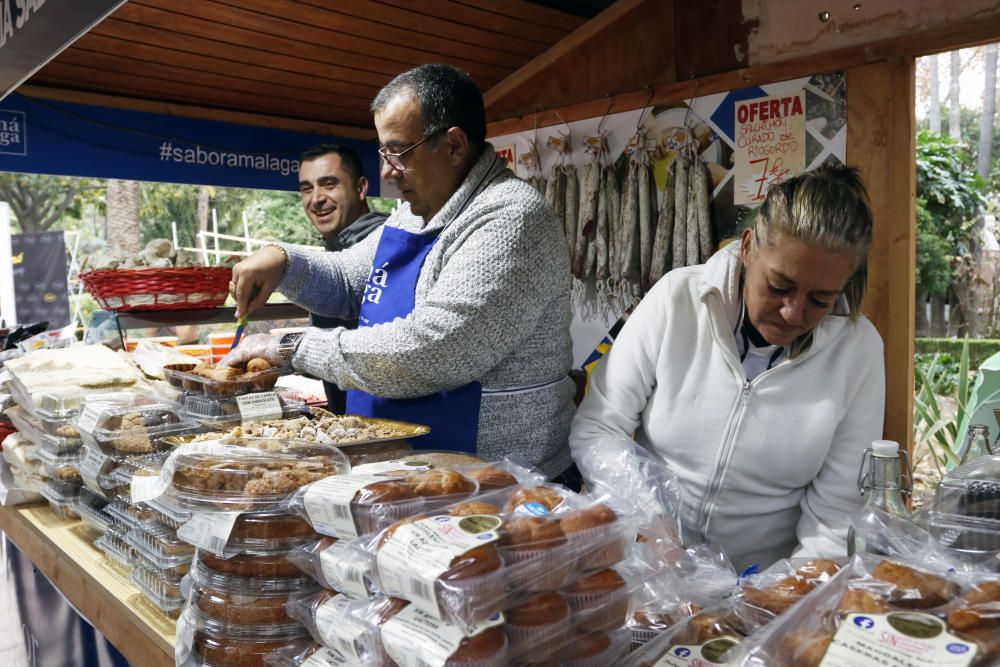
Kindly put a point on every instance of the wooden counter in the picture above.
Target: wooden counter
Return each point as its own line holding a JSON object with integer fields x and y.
{"x": 64, "y": 553}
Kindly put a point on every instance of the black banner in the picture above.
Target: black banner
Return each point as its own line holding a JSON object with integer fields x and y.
{"x": 40, "y": 277}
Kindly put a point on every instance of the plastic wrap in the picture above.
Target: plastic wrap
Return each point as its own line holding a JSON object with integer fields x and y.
{"x": 764, "y": 596}
{"x": 374, "y": 496}
{"x": 879, "y": 611}
{"x": 339, "y": 565}
{"x": 479, "y": 557}
{"x": 224, "y": 412}
{"x": 206, "y": 642}
{"x": 309, "y": 654}
{"x": 349, "y": 625}
{"x": 713, "y": 636}
{"x": 131, "y": 426}
{"x": 162, "y": 592}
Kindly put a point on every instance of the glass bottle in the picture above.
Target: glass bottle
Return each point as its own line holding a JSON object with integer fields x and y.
{"x": 976, "y": 444}
{"x": 881, "y": 479}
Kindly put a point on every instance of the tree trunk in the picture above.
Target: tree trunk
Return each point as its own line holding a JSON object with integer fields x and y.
{"x": 938, "y": 324}
{"x": 935, "y": 110}
{"x": 985, "y": 158}
{"x": 204, "y": 194}
{"x": 922, "y": 326}
{"x": 123, "y": 215}
{"x": 954, "y": 103}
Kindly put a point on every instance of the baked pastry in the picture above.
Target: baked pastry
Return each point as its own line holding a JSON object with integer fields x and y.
{"x": 241, "y": 608}
{"x": 257, "y": 364}
{"x": 589, "y": 651}
{"x": 379, "y": 503}
{"x": 473, "y": 582}
{"x": 67, "y": 431}
{"x": 914, "y": 589}
{"x": 487, "y": 649}
{"x": 593, "y": 536}
{"x": 546, "y": 496}
{"x": 260, "y": 527}
{"x": 274, "y": 565}
{"x": 235, "y": 652}
{"x": 540, "y": 627}
{"x": 474, "y": 507}
{"x": 599, "y": 602}
{"x": 491, "y": 478}
{"x": 976, "y": 615}
{"x": 534, "y": 549}
{"x": 223, "y": 480}
{"x": 779, "y": 597}
{"x": 440, "y": 483}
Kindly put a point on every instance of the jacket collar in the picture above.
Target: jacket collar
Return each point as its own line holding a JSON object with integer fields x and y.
{"x": 720, "y": 282}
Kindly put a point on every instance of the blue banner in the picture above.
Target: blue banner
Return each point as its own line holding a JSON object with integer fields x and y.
{"x": 61, "y": 138}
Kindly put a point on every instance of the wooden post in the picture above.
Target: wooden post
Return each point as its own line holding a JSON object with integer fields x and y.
{"x": 881, "y": 129}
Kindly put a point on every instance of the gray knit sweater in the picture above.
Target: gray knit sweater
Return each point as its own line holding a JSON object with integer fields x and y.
{"x": 491, "y": 304}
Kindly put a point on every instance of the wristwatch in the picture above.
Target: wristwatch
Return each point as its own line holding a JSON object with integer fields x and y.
{"x": 287, "y": 346}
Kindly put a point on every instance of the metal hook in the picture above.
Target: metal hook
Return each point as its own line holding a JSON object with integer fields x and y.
{"x": 694, "y": 97}
{"x": 600, "y": 125}
{"x": 645, "y": 108}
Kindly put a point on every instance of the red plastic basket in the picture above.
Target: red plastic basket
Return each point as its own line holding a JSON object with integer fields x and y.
{"x": 6, "y": 428}
{"x": 159, "y": 289}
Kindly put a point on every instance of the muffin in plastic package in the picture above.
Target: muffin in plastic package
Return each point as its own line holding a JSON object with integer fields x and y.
{"x": 898, "y": 610}
{"x": 374, "y": 496}
{"x": 164, "y": 593}
{"x": 349, "y": 625}
{"x": 411, "y": 638}
{"x": 59, "y": 446}
{"x": 206, "y": 642}
{"x": 62, "y": 489}
{"x": 484, "y": 555}
{"x": 137, "y": 427}
{"x": 239, "y": 474}
{"x": 240, "y": 600}
{"x": 764, "y": 596}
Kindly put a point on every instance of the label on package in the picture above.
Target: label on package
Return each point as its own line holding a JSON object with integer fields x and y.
{"x": 328, "y": 503}
{"x": 185, "y": 639}
{"x": 209, "y": 531}
{"x": 413, "y": 638}
{"x": 92, "y": 411}
{"x": 901, "y": 639}
{"x": 338, "y": 628}
{"x": 344, "y": 569}
{"x": 709, "y": 653}
{"x": 410, "y": 562}
{"x": 394, "y": 468}
{"x": 148, "y": 487}
{"x": 91, "y": 466}
{"x": 326, "y": 657}
{"x": 259, "y": 406}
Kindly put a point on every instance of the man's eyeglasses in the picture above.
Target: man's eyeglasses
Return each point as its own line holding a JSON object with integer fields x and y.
{"x": 395, "y": 160}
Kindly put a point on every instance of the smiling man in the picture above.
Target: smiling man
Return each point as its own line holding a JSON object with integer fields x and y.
{"x": 462, "y": 295}
{"x": 334, "y": 197}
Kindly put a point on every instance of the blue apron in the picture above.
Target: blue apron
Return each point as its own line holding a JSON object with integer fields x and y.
{"x": 389, "y": 294}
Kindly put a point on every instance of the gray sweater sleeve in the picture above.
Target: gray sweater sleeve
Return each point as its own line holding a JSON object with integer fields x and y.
{"x": 483, "y": 303}
{"x": 329, "y": 283}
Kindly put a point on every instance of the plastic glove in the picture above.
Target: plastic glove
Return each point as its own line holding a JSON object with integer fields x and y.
{"x": 254, "y": 346}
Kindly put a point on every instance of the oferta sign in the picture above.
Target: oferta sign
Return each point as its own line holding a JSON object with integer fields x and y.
{"x": 32, "y": 32}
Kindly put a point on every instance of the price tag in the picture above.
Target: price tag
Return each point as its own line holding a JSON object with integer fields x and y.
{"x": 87, "y": 421}
{"x": 259, "y": 406}
{"x": 93, "y": 465}
{"x": 209, "y": 531}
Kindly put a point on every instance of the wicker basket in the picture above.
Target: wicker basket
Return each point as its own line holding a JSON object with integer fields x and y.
{"x": 159, "y": 289}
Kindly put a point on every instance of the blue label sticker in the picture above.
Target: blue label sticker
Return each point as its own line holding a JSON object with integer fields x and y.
{"x": 957, "y": 648}
{"x": 535, "y": 509}
{"x": 864, "y": 622}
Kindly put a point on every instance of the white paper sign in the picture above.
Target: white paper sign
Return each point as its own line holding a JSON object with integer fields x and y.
{"x": 901, "y": 639}
{"x": 770, "y": 144}
{"x": 92, "y": 465}
{"x": 209, "y": 530}
{"x": 259, "y": 406}
{"x": 328, "y": 503}
{"x": 415, "y": 639}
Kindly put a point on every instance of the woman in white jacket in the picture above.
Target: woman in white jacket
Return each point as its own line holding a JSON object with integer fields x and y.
{"x": 755, "y": 378}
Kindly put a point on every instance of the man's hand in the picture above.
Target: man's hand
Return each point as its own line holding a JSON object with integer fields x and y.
{"x": 263, "y": 346}
{"x": 256, "y": 277}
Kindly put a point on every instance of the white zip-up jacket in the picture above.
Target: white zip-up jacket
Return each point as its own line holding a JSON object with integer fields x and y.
{"x": 766, "y": 467}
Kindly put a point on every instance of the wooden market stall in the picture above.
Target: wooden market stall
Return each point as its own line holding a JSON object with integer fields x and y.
{"x": 314, "y": 66}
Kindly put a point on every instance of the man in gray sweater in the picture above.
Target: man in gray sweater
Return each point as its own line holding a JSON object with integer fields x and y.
{"x": 334, "y": 195}
{"x": 462, "y": 295}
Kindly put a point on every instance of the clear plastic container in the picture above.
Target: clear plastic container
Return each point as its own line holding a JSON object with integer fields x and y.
{"x": 269, "y": 532}
{"x": 118, "y": 510}
{"x": 63, "y": 506}
{"x": 29, "y": 427}
{"x": 223, "y": 412}
{"x": 244, "y": 474}
{"x": 167, "y": 512}
{"x": 159, "y": 544}
{"x": 165, "y": 594}
{"x": 59, "y": 446}
{"x": 348, "y": 625}
{"x": 91, "y": 509}
{"x": 206, "y": 642}
{"x": 233, "y": 384}
{"x": 965, "y": 514}
{"x": 347, "y": 431}
{"x": 118, "y": 551}
{"x": 64, "y": 467}
{"x": 233, "y": 599}
{"x": 63, "y": 489}
{"x": 248, "y": 565}
{"x": 130, "y": 429}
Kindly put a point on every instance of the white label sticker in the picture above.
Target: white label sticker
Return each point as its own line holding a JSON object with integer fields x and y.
{"x": 259, "y": 406}
{"x": 92, "y": 465}
{"x": 344, "y": 568}
{"x": 326, "y": 657}
{"x": 901, "y": 639}
{"x": 328, "y": 503}
{"x": 185, "y": 639}
{"x": 338, "y": 628}
{"x": 709, "y": 653}
{"x": 415, "y": 639}
{"x": 209, "y": 530}
{"x": 410, "y": 561}
{"x": 92, "y": 411}
{"x": 395, "y": 466}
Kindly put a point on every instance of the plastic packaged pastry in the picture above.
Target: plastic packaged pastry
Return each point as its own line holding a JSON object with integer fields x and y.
{"x": 90, "y": 507}
{"x": 374, "y": 496}
{"x": 714, "y": 636}
{"x": 339, "y": 565}
{"x": 137, "y": 426}
{"x": 887, "y": 611}
{"x": 65, "y": 467}
{"x": 770, "y": 593}
{"x": 349, "y": 625}
{"x": 224, "y": 412}
{"x": 206, "y": 642}
{"x": 162, "y": 592}
{"x": 223, "y": 381}
{"x": 413, "y": 639}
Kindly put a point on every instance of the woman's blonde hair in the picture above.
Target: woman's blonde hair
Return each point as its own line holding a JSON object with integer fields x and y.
{"x": 828, "y": 207}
